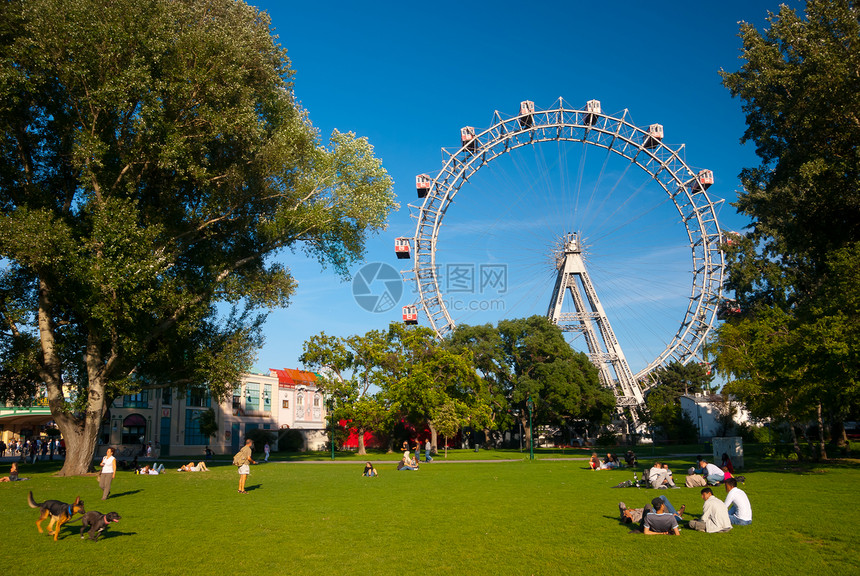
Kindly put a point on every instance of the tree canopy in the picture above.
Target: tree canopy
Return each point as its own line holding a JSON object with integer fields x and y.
{"x": 794, "y": 346}
{"x": 153, "y": 161}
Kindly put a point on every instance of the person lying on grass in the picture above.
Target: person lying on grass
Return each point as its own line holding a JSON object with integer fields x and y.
{"x": 659, "y": 505}
{"x": 190, "y": 467}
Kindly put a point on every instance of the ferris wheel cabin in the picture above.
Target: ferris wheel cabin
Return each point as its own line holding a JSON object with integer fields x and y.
{"x": 592, "y": 109}
{"x": 727, "y": 309}
{"x": 527, "y": 111}
{"x": 654, "y": 137}
{"x": 410, "y": 315}
{"x": 422, "y": 185}
{"x": 402, "y": 248}
{"x": 467, "y": 138}
{"x": 703, "y": 181}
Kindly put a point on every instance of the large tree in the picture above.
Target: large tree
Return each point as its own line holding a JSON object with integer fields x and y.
{"x": 153, "y": 160}
{"x": 800, "y": 89}
{"x": 528, "y": 359}
{"x": 352, "y": 377}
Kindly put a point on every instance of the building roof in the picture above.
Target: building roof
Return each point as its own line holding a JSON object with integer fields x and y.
{"x": 290, "y": 378}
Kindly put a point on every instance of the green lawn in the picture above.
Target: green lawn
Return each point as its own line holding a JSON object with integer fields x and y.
{"x": 542, "y": 517}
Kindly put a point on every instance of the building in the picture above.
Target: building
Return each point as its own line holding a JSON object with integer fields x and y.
{"x": 277, "y": 401}
{"x": 706, "y": 410}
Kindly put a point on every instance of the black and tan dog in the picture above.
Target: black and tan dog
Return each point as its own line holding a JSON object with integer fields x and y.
{"x": 96, "y": 522}
{"x": 60, "y": 512}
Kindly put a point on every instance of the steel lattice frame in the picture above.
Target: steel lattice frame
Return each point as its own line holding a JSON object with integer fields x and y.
{"x": 564, "y": 123}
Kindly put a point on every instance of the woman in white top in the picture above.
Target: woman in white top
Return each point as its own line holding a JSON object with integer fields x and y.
{"x": 108, "y": 472}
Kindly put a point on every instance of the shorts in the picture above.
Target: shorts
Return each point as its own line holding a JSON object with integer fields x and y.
{"x": 244, "y": 469}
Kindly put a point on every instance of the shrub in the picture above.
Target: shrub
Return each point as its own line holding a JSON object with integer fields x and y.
{"x": 291, "y": 441}
{"x": 260, "y": 437}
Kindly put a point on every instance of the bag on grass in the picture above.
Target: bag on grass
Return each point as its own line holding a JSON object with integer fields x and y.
{"x": 625, "y": 484}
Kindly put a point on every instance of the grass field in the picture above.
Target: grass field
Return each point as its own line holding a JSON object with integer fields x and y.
{"x": 522, "y": 517}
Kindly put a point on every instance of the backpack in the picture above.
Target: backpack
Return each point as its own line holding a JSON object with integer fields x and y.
{"x": 239, "y": 459}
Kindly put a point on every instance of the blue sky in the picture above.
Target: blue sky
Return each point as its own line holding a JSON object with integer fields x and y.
{"x": 409, "y": 75}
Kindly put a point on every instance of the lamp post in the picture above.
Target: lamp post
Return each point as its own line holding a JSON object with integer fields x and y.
{"x": 531, "y": 406}
{"x": 331, "y": 409}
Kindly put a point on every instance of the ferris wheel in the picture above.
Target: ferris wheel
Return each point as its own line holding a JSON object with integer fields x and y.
{"x": 663, "y": 168}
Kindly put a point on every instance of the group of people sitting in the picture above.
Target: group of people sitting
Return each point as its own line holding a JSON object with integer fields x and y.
{"x": 659, "y": 476}
{"x": 407, "y": 462}
{"x": 660, "y": 517}
{"x": 611, "y": 461}
{"x": 705, "y": 473}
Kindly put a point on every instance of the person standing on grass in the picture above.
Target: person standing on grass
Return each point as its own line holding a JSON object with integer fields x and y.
{"x": 108, "y": 473}
{"x": 243, "y": 460}
{"x": 737, "y": 504}
{"x": 266, "y": 450}
{"x": 715, "y": 516}
{"x": 427, "y": 448}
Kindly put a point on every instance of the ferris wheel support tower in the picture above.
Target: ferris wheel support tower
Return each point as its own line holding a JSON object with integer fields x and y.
{"x": 605, "y": 352}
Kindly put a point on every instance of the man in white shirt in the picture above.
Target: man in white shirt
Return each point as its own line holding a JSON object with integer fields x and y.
{"x": 737, "y": 504}
{"x": 715, "y": 516}
{"x": 712, "y": 472}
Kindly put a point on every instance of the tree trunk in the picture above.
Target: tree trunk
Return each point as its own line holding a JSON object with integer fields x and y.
{"x": 795, "y": 441}
{"x": 823, "y": 448}
{"x": 527, "y": 433}
{"x": 838, "y": 435}
{"x": 434, "y": 438}
{"x": 79, "y": 433}
{"x": 361, "y": 450}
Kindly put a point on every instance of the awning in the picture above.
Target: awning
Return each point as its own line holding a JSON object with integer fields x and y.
{"x": 134, "y": 420}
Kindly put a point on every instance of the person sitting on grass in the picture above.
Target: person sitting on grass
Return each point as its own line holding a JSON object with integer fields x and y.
{"x": 594, "y": 462}
{"x": 369, "y": 470}
{"x": 727, "y": 463}
{"x": 658, "y": 477}
{"x": 406, "y": 463}
{"x": 715, "y": 516}
{"x": 13, "y": 474}
{"x": 630, "y": 459}
{"x": 637, "y": 515}
{"x": 610, "y": 462}
{"x": 190, "y": 467}
{"x": 737, "y": 504}
{"x": 712, "y": 473}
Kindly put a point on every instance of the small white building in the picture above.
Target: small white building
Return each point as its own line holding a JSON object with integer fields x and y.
{"x": 705, "y": 411}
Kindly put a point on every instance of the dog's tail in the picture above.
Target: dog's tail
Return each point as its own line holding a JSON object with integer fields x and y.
{"x": 31, "y": 502}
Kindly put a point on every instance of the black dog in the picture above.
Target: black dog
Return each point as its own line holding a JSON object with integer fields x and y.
{"x": 96, "y": 522}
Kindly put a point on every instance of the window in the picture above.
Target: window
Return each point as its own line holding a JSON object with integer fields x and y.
{"x": 316, "y": 401}
{"x": 299, "y": 401}
{"x": 286, "y": 403}
{"x": 139, "y": 400}
{"x": 167, "y": 396}
{"x": 133, "y": 429}
{"x": 252, "y": 396}
{"x": 193, "y": 436}
{"x": 267, "y": 397}
{"x": 237, "y": 398}
{"x": 198, "y": 397}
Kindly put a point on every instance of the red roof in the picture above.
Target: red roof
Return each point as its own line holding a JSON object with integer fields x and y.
{"x": 289, "y": 378}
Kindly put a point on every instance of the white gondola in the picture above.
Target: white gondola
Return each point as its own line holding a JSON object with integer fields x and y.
{"x": 423, "y": 182}
{"x": 410, "y": 315}
{"x": 467, "y": 137}
{"x": 654, "y": 136}
{"x": 702, "y": 181}
{"x": 592, "y": 109}
{"x": 402, "y": 248}
{"x": 527, "y": 111}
